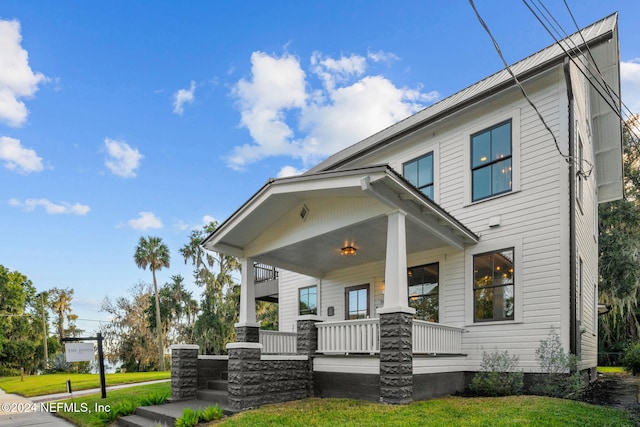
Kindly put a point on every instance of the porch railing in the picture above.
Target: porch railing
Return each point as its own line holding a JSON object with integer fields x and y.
{"x": 434, "y": 338}
{"x": 275, "y": 342}
{"x": 349, "y": 336}
{"x": 263, "y": 272}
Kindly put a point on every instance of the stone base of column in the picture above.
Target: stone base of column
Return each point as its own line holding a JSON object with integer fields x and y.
{"x": 247, "y": 332}
{"x": 396, "y": 358}
{"x": 245, "y": 375}
{"x": 184, "y": 371}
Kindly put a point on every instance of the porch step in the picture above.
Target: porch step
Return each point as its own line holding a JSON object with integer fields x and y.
{"x": 221, "y": 397}
{"x": 222, "y": 385}
{"x": 165, "y": 415}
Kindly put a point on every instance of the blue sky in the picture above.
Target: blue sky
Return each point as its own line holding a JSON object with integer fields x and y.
{"x": 123, "y": 119}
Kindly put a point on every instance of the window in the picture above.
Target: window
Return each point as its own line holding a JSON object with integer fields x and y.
{"x": 491, "y": 163}
{"x": 424, "y": 293}
{"x": 493, "y": 286}
{"x": 357, "y": 302}
{"x": 419, "y": 173}
{"x": 307, "y": 300}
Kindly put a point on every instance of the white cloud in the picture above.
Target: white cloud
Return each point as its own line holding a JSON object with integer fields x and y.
{"x": 123, "y": 159}
{"x": 145, "y": 221}
{"x": 50, "y": 207}
{"x": 288, "y": 170}
{"x": 207, "y": 219}
{"x": 285, "y": 116}
{"x": 16, "y": 157}
{"x": 630, "y": 81}
{"x": 183, "y": 96}
{"x": 381, "y": 56}
{"x": 17, "y": 80}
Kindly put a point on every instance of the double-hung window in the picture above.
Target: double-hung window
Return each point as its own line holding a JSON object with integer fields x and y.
{"x": 491, "y": 163}
{"x": 419, "y": 172}
{"x": 308, "y": 301}
{"x": 493, "y": 286}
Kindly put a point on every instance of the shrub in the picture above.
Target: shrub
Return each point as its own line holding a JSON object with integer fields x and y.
{"x": 561, "y": 377}
{"x": 631, "y": 358}
{"x": 152, "y": 399}
{"x": 211, "y": 413}
{"x": 189, "y": 418}
{"x": 498, "y": 375}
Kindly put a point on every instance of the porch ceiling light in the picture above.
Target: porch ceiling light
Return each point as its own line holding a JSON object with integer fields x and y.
{"x": 348, "y": 251}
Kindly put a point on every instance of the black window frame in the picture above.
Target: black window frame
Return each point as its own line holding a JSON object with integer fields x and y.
{"x": 313, "y": 310}
{"x": 512, "y": 284}
{"x": 491, "y": 162}
{"x": 431, "y": 185}
{"x": 418, "y": 315}
{"x": 346, "y": 300}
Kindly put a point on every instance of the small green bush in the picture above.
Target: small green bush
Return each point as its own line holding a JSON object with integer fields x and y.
{"x": 498, "y": 375}
{"x": 152, "y": 399}
{"x": 189, "y": 418}
{"x": 211, "y": 413}
{"x": 560, "y": 375}
{"x": 631, "y": 358}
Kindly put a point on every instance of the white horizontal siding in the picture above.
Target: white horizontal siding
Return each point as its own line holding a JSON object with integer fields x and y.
{"x": 534, "y": 219}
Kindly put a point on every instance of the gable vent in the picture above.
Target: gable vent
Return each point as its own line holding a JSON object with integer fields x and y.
{"x": 304, "y": 212}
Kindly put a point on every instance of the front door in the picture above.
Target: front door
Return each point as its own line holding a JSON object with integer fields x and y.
{"x": 356, "y": 302}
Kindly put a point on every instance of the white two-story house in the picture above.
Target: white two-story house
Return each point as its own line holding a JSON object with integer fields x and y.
{"x": 468, "y": 227}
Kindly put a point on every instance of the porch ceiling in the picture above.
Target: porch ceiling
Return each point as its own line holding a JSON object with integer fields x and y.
{"x": 320, "y": 254}
{"x": 269, "y": 229}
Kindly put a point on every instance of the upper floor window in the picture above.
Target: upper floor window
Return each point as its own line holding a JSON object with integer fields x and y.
{"x": 308, "y": 301}
{"x": 580, "y": 184}
{"x": 419, "y": 172}
{"x": 424, "y": 293}
{"x": 493, "y": 286}
{"x": 491, "y": 161}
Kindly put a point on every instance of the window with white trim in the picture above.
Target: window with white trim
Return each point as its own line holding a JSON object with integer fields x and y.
{"x": 424, "y": 291}
{"x": 419, "y": 172}
{"x": 308, "y": 300}
{"x": 491, "y": 161}
{"x": 493, "y": 286}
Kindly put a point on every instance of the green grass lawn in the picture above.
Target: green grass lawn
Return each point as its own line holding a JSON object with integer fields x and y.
{"x": 87, "y": 408}
{"x": 611, "y": 369}
{"x": 37, "y": 385}
{"x": 451, "y": 411}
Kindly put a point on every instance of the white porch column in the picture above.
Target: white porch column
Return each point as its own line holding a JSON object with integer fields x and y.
{"x": 396, "y": 292}
{"x": 247, "y": 295}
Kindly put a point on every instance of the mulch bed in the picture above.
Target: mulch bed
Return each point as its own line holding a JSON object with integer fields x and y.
{"x": 618, "y": 391}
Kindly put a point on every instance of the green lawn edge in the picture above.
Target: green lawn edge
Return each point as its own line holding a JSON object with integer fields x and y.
{"x": 39, "y": 385}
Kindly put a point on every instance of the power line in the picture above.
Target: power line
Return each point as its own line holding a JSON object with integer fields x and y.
{"x": 601, "y": 82}
{"x": 567, "y": 158}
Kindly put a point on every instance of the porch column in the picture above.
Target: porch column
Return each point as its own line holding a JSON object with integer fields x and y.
{"x": 247, "y": 329}
{"x": 396, "y": 292}
{"x": 396, "y": 319}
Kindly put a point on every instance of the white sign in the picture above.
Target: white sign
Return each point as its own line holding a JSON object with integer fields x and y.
{"x": 79, "y": 352}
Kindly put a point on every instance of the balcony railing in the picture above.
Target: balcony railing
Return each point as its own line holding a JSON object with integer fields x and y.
{"x": 263, "y": 272}
{"x": 275, "y": 342}
{"x": 349, "y": 336}
{"x": 435, "y": 338}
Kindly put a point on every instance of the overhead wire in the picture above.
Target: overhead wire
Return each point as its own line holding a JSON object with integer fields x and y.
{"x": 567, "y": 158}
{"x": 601, "y": 82}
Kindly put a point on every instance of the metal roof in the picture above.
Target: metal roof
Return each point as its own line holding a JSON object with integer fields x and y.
{"x": 552, "y": 55}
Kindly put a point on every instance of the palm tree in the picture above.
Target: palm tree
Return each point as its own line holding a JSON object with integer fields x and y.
{"x": 60, "y": 303}
{"x": 152, "y": 252}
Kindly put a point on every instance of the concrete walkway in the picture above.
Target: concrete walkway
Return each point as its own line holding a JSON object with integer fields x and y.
{"x": 18, "y": 411}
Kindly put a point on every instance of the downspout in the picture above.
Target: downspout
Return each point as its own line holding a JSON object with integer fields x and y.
{"x": 574, "y": 347}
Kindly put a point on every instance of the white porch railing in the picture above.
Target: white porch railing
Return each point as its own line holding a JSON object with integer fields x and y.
{"x": 429, "y": 337}
{"x": 349, "y": 336}
{"x": 274, "y": 342}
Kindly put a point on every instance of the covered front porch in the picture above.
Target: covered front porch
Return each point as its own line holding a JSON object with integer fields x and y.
{"x": 320, "y": 224}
